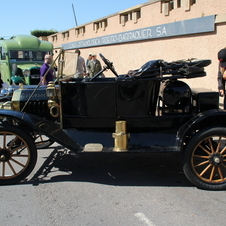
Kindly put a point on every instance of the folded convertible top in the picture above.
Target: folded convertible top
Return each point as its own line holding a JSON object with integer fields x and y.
{"x": 181, "y": 68}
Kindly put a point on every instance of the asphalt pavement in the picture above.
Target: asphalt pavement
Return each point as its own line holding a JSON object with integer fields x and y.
{"x": 109, "y": 189}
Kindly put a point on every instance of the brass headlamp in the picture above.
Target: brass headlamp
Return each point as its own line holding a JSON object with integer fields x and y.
{"x": 52, "y": 102}
{"x": 51, "y": 90}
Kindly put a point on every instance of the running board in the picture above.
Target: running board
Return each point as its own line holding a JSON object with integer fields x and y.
{"x": 93, "y": 147}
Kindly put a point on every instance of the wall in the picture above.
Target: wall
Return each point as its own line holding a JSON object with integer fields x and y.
{"x": 132, "y": 55}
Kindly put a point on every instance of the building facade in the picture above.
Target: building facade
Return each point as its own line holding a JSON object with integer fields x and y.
{"x": 157, "y": 29}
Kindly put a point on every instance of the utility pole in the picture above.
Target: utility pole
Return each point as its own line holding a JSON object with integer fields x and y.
{"x": 74, "y": 15}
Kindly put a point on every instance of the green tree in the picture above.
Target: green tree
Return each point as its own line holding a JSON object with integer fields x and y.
{"x": 39, "y": 33}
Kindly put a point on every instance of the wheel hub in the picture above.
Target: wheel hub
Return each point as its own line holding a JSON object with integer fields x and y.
{"x": 4, "y": 155}
{"x": 216, "y": 159}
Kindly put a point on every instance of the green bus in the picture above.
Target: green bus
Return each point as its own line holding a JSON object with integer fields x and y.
{"x": 21, "y": 57}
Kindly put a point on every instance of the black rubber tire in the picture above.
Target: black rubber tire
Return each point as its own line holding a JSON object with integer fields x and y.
{"x": 18, "y": 154}
{"x": 205, "y": 159}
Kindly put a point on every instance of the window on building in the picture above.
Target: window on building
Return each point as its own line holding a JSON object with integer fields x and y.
{"x": 80, "y": 31}
{"x": 65, "y": 35}
{"x": 102, "y": 24}
{"x": 178, "y": 3}
{"x": 136, "y": 16}
{"x": 130, "y": 16}
{"x": 123, "y": 18}
{"x": 168, "y": 5}
{"x": 54, "y": 38}
{"x": 96, "y": 27}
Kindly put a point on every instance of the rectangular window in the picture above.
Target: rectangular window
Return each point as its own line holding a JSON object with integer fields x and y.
{"x": 130, "y": 16}
{"x": 54, "y": 38}
{"x": 171, "y": 5}
{"x": 65, "y": 35}
{"x": 80, "y": 31}
{"x": 2, "y": 53}
{"x": 102, "y": 24}
{"x": 178, "y": 2}
{"x": 136, "y": 16}
{"x": 96, "y": 27}
{"x": 168, "y": 5}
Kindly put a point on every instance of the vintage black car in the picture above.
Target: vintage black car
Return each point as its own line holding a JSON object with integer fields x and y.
{"x": 150, "y": 109}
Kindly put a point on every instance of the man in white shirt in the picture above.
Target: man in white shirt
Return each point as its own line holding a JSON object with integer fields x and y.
{"x": 81, "y": 66}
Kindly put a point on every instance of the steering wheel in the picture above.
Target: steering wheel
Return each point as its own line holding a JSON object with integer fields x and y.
{"x": 109, "y": 65}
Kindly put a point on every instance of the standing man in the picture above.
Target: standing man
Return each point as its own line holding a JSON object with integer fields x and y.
{"x": 94, "y": 66}
{"x": 50, "y": 76}
{"x": 222, "y": 74}
{"x": 88, "y": 59}
{"x": 81, "y": 66}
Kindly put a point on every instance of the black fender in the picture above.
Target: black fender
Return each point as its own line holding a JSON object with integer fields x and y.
{"x": 42, "y": 126}
{"x": 210, "y": 118}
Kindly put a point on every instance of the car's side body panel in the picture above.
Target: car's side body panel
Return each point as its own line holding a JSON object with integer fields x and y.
{"x": 101, "y": 102}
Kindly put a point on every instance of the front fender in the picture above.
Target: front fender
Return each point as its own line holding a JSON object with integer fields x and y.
{"x": 17, "y": 80}
{"x": 214, "y": 117}
{"x": 39, "y": 125}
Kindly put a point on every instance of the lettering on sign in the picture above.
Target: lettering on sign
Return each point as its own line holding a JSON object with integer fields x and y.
{"x": 192, "y": 26}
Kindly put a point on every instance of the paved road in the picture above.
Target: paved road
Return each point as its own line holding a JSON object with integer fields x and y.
{"x": 109, "y": 189}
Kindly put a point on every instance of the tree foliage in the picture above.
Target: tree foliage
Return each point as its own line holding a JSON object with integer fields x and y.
{"x": 39, "y": 33}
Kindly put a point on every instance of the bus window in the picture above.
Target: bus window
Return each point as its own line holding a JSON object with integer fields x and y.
{"x": 13, "y": 54}
{"x": 20, "y": 54}
{"x": 27, "y": 55}
{"x": 2, "y": 53}
{"x": 39, "y": 55}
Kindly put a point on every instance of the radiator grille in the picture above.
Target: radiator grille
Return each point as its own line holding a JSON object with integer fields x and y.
{"x": 39, "y": 108}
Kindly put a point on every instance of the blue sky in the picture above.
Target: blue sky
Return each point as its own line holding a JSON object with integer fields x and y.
{"x": 24, "y": 16}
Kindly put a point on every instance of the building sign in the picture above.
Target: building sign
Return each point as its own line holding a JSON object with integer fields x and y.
{"x": 185, "y": 27}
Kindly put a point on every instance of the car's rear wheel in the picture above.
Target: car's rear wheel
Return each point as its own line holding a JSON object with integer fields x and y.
{"x": 18, "y": 154}
{"x": 205, "y": 159}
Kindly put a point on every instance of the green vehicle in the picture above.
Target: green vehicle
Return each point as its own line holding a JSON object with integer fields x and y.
{"x": 21, "y": 57}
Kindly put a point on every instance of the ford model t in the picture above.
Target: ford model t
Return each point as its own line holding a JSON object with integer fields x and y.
{"x": 150, "y": 109}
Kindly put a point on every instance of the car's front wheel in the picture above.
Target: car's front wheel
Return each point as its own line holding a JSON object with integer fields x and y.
{"x": 18, "y": 154}
{"x": 205, "y": 159}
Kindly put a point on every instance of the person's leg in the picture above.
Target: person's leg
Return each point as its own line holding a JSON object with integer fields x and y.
{"x": 224, "y": 103}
